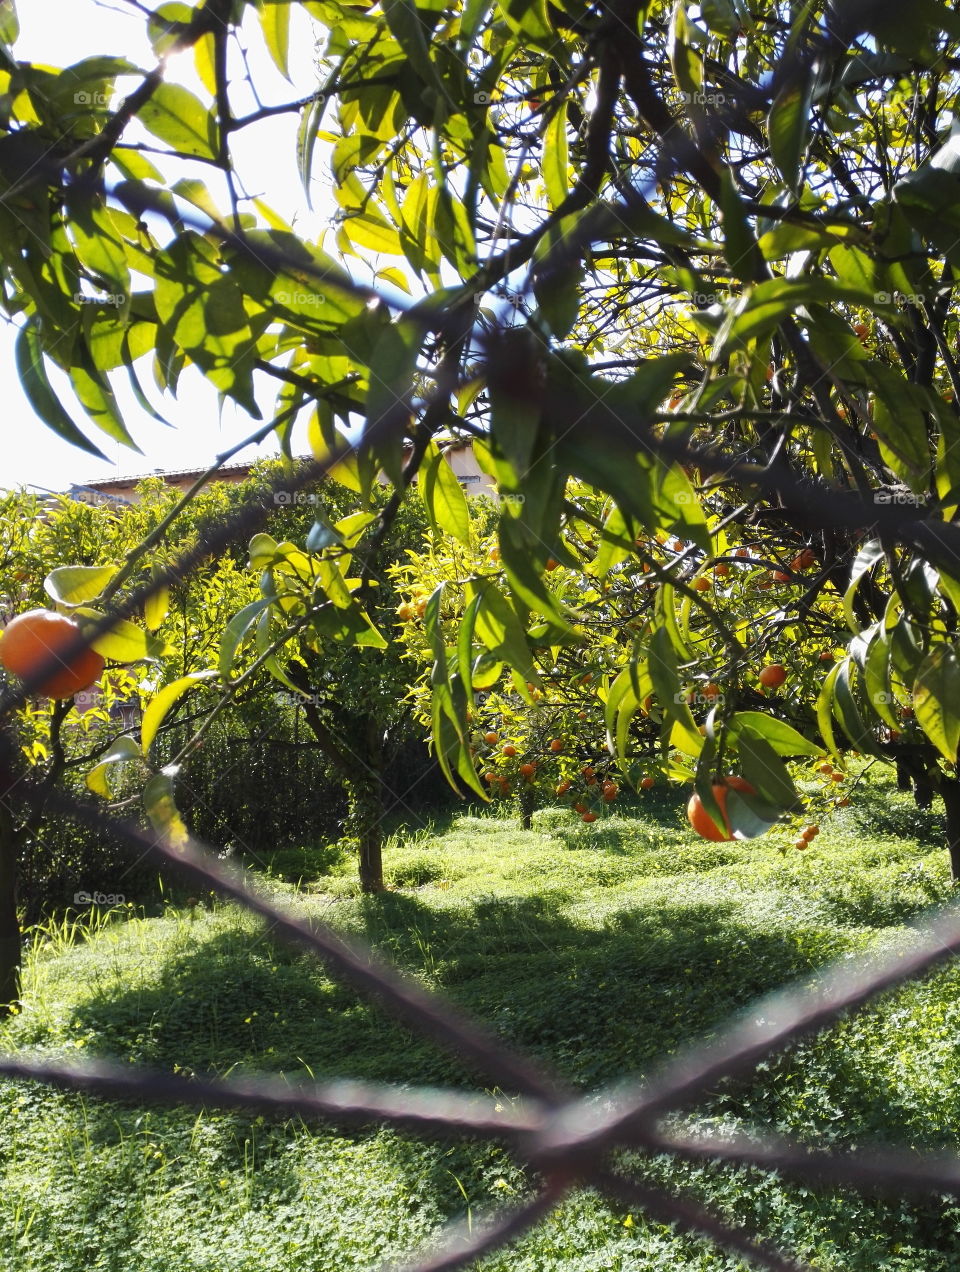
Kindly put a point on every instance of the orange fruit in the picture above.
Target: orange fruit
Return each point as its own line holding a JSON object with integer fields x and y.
{"x": 677, "y": 545}
{"x": 37, "y": 636}
{"x": 490, "y": 739}
{"x": 699, "y": 818}
{"x": 825, "y": 768}
{"x": 810, "y": 832}
{"x": 742, "y": 553}
{"x": 562, "y": 788}
{"x": 711, "y": 692}
{"x": 781, "y": 576}
{"x": 701, "y": 584}
{"x": 504, "y": 786}
{"x": 552, "y": 564}
{"x": 838, "y": 777}
{"x": 721, "y": 570}
{"x": 610, "y": 791}
{"x": 556, "y": 746}
{"x": 579, "y": 808}
{"x": 804, "y": 560}
{"x": 773, "y": 675}
{"x": 510, "y": 751}
{"x": 841, "y": 803}
{"x": 589, "y": 817}
{"x": 860, "y": 329}
{"x": 588, "y": 772}
{"x": 490, "y": 777}
{"x": 826, "y": 656}
{"x": 801, "y": 844}
{"x": 646, "y": 784}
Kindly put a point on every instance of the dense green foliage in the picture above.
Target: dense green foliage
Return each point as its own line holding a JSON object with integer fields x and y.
{"x": 598, "y": 951}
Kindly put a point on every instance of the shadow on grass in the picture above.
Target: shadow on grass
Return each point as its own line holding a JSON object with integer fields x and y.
{"x": 594, "y": 1002}
{"x": 884, "y": 811}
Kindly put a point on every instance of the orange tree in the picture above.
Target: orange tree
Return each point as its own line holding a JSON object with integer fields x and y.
{"x": 699, "y": 259}
{"x": 576, "y": 714}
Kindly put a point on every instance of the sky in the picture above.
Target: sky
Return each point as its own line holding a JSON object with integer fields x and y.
{"x": 62, "y": 32}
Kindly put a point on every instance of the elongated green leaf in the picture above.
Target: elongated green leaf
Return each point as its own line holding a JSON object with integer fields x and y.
{"x": 775, "y": 793}
{"x": 555, "y": 158}
{"x": 162, "y": 703}
{"x": 936, "y": 699}
{"x": 43, "y": 400}
{"x": 122, "y": 751}
{"x": 235, "y": 631}
{"x": 160, "y": 806}
{"x": 500, "y": 630}
{"x": 97, "y": 398}
{"x": 443, "y": 498}
{"x": 781, "y": 737}
{"x": 275, "y": 24}
{"x": 77, "y": 584}
{"x": 156, "y": 607}
{"x": 180, "y": 119}
{"x": 788, "y": 126}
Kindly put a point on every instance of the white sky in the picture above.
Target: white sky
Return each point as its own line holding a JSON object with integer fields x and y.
{"x": 59, "y": 33}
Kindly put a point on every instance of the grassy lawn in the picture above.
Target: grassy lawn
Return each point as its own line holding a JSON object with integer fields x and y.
{"x": 596, "y": 949}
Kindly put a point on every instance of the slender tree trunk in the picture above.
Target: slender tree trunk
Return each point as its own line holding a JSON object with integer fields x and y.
{"x": 528, "y": 803}
{"x": 10, "y": 935}
{"x": 950, "y": 790}
{"x": 374, "y": 807}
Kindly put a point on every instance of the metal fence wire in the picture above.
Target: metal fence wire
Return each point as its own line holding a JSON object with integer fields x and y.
{"x": 566, "y": 1139}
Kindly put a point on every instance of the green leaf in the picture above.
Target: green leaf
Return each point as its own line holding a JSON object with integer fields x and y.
{"x": 161, "y": 808}
{"x": 77, "y": 584}
{"x": 788, "y": 124}
{"x": 237, "y": 629}
{"x": 936, "y": 700}
{"x": 781, "y": 737}
{"x": 555, "y": 157}
{"x": 124, "y": 642}
{"x": 97, "y": 398}
{"x": 443, "y": 497}
{"x": 868, "y": 556}
{"x": 178, "y": 118}
{"x": 500, "y": 630}
{"x": 530, "y": 20}
{"x": 9, "y": 25}
{"x": 43, "y": 400}
{"x": 275, "y": 24}
{"x": 202, "y": 309}
{"x": 156, "y": 607}
{"x": 122, "y": 751}
{"x": 760, "y": 765}
{"x": 162, "y": 703}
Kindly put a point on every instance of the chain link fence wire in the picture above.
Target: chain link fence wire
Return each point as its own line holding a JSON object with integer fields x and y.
{"x": 565, "y": 1139}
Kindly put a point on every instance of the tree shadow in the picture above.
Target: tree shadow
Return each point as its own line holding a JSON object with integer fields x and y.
{"x": 594, "y": 1002}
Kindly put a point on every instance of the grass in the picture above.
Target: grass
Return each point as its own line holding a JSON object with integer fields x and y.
{"x": 598, "y": 950}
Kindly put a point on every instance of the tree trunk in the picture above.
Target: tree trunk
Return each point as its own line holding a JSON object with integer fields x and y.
{"x": 367, "y": 808}
{"x": 366, "y": 824}
{"x": 10, "y": 936}
{"x": 528, "y": 802}
{"x": 950, "y": 790}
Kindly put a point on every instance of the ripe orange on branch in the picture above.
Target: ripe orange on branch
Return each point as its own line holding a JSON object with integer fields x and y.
{"x": 701, "y": 820}
{"x": 773, "y": 675}
{"x": 36, "y": 637}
